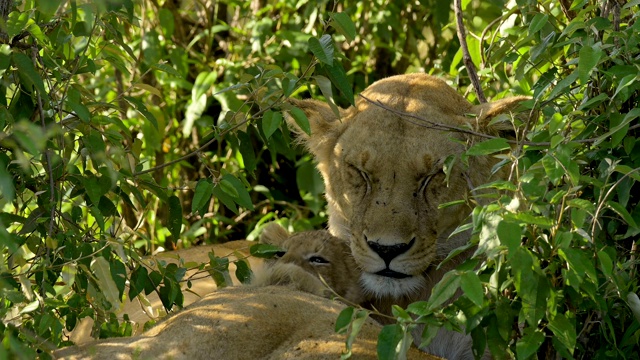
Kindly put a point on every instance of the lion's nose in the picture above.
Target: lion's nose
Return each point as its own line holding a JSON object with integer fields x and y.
{"x": 390, "y": 252}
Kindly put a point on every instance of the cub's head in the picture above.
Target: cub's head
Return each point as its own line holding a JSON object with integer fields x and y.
{"x": 308, "y": 257}
{"x": 384, "y": 174}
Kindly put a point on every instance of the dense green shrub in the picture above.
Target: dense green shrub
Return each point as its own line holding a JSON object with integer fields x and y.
{"x": 129, "y": 126}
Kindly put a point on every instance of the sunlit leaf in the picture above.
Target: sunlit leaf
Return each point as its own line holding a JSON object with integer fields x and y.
{"x": 529, "y": 343}
{"x": 588, "y": 59}
{"x": 444, "y": 290}
{"x": 271, "y": 122}
{"x": 342, "y": 22}
{"x": 265, "y": 251}
{"x": 472, "y": 287}
{"x": 488, "y": 147}
{"x": 564, "y": 331}
{"x": 243, "y": 272}
{"x": 102, "y": 270}
{"x": 538, "y": 22}
{"x": 388, "y": 340}
{"x": 202, "y": 194}
{"x": 322, "y": 48}
{"x": 301, "y": 119}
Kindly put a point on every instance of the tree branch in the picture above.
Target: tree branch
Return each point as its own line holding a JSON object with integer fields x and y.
{"x": 466, "y": 57}
{"x": 423, "y": 122}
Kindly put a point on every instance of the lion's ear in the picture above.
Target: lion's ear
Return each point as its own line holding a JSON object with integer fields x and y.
{"x": 487, "y": 114}
{"x": 324, "y": 124}
{"x": 273, "y": 234}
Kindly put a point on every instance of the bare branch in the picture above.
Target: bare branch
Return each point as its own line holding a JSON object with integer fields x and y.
{"x": 466, "y": 57}
{"x": 423, "y": 122}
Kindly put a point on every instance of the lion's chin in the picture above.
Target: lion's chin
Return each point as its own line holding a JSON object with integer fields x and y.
{"x": 384, "y": 286}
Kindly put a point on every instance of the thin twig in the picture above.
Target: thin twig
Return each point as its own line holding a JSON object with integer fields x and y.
{"x": 444, "y": 127}
{"x": 468, "y": 62}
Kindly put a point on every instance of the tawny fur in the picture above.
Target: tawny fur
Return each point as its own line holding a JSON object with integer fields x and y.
{"x": 244, "y": 322}
{"x": 314, "y": 261}
{"x": 384, "y": 181}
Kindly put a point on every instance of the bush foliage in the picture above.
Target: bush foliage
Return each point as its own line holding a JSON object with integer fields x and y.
{"x": 128, "y": 127}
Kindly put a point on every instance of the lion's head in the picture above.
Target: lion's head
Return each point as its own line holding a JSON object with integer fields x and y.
{"x": 311, "y": 261}
{"x": 385, "y": 178}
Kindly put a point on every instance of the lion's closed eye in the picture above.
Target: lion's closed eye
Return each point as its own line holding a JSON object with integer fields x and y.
{"x": 317, "y": 260}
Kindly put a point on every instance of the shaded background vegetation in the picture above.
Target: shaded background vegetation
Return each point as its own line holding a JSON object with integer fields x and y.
{"x": 127, "y": 127}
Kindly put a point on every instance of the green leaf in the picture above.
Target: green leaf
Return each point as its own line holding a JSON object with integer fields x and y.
{"x": 325, "y": 87}
{"x": 622, "y": 212}
{"x": 531, "y": 287}
{"x": 356, "y": 324}
{"x": 270, "y": 122}
{"x": 202, "y": 194}
{"x": 625, "y": 82}
{"x": 510, "y": 235}
{"x": 488, "y": 147}
{"x": 243, "y": 271}
{"x": 227, "y": 200}
{"x": 138, "y": 281}
{"x": 563, "y": 84}
{"x": 472, "y": 287}
{"x": 301, "y": 119}
{"x": 248, "y": 153}
{"x": 322, "y": 48}
{"x": 75, "y": 103}
{"x": 167, "y": 69}
{"x": 388, "y": 340}
{"x": 444, "y": 290}
{"x": 243, "y": 198}
{"x": 32, "y": 306}
{"x": 564, "y": 331}
{"x": 579, "y": 262}
{"x": 529, "y": 343}
{"x": 264, "y": 251}
{"x": 587, "y": 61}
{"x": 309, "y": 179}
{"x": 344, "y": 318}
{"x": 606, "y": 265}
{"x": 339, "y": 78}
{"x": 16, "y": 23}
{"x": 174, "y": 223}
{"x": 28, "y": 74}
{"x": 634, "y": 304}
{"x": 142, "y": 109}
{"x": 228, "y": 188}
{"x": 166, "y": 21}
{"x": 101, "y": 269}
{"x": 219, "y": 270}
{"x": 538, "y": 22}
{"x": 119, "y": 276}
{"x": 342, "y": 22}
{"x": 204, "y": 82}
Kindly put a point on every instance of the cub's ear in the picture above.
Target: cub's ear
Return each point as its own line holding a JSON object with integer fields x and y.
{"x": 273, "y": 234}
{"x": 487, "y": 114}
{"x": 324, "y": 123}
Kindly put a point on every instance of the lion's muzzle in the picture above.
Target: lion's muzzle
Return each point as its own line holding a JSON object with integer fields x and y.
{"x": 390, "y": 252}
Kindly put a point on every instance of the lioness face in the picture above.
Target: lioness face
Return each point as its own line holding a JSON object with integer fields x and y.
{"x": 385, "y": 180}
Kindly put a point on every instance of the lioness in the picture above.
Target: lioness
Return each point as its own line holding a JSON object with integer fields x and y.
{"x": 312, "y": 261}
{"x": 243, "y": 322}
{"x": 260, "y": 322}
{"x": 384, "y": 179}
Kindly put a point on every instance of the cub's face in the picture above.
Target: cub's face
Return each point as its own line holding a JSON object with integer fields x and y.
{"x": 318, "y": 253}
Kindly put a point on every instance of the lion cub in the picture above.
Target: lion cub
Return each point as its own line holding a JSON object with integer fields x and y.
{"x": 311, "y": 261}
